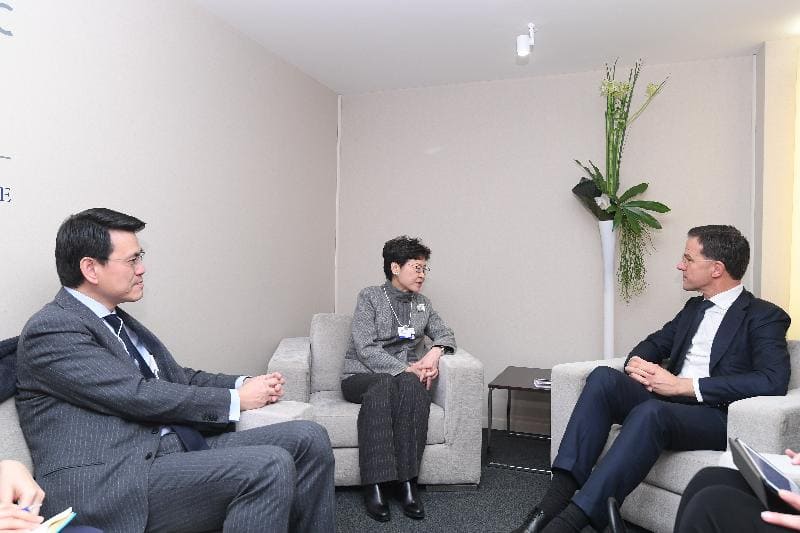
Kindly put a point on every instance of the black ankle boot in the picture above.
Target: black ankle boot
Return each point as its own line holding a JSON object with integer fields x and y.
{"x": 375, "y": 503}
{"x": 406, "y": 494}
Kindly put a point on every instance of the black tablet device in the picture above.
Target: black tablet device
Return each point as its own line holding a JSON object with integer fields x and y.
{"x": 763, "y": 477}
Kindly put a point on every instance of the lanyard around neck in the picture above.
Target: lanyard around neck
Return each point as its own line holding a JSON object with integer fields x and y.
{"x": 410, "y": 307}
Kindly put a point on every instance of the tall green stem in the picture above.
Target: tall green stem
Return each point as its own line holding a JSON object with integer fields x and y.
{"x": 632, "y": 218}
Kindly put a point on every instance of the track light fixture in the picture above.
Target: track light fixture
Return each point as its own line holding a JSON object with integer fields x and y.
{"x": 525, "y": 41}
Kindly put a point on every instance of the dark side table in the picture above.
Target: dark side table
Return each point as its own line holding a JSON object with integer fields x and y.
{"x": 516, "y": 378}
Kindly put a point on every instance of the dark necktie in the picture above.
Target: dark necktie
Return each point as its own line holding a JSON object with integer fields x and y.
{"x": 687, "y": 343}
{"x": 133, "y": 352}
{"x": 191, "y": 438}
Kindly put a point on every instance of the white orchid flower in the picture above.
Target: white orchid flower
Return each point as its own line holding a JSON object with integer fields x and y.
{"x": 603, "y": 201}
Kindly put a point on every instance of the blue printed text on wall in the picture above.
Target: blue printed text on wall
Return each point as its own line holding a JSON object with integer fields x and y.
{"x": 7, "y": 33}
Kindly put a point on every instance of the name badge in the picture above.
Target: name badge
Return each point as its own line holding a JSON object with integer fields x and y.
{"x": 405, "y": 332}
{"x": 421, "y": 307}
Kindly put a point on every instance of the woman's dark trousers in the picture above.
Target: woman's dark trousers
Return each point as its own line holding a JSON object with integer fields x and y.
{"x": 392, "y": 424}
{"x": 719, "y": 500}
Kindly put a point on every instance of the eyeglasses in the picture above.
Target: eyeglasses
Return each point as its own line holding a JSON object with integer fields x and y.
{"x": 134, "y": 261}
{"x": 419, "y": 269}
{"x": 688, "y": 260}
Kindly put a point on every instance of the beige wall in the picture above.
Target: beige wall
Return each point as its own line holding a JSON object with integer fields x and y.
{"x": 775, "y": 147}
{"x": 777, "y": 267}
{"x": 230, "y": 156}
{"x": 483, "y": 173}
{"x": 794, "y": 275}
{"x": 160, "y": 110}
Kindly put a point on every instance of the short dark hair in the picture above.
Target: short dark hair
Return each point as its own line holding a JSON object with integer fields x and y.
{"x": 86, "y": 235}
{"x": 402, "y": 249}
{"x": 725, "y": 244}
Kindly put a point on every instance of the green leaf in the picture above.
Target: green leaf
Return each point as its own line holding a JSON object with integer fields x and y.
{"x": 636, "y": 190}
{"x": 591, "y": 174}
{"x": 601, "y": 181}
{"x": 618, "y": 219}
{"x": 658, "y": 207}
{"x": 631, "y": 221}
{"x": 645, "y": 217}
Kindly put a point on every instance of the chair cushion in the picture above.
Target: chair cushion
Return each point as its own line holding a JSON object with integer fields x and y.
{"x": 8, "y": 368}
{"x": 673, "y": 470}
{"x": 12, "y": 442}
{"x": 282, "y": 411}
{"x": 794, "y": 361}
{"x": 340, "y": 418}
{"x": 330, "y": 338}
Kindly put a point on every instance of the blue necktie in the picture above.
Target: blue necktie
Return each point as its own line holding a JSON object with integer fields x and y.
{"x": 191, "y": 438}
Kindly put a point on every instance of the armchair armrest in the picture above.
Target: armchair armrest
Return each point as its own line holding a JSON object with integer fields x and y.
{"x": 769, "y": 424}
{"x": 292, "y": 358}
{"x": 459, "y": 391}
{"x": 568, "y": 380}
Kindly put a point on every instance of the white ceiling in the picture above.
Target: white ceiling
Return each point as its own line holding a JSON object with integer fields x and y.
{"x": 355, "y": 46}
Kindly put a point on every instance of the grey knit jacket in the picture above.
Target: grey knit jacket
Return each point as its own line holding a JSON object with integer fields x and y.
{"x": 375, "y": 345}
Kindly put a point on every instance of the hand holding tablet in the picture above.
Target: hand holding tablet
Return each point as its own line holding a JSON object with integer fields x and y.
{"x": 764, "y": 478}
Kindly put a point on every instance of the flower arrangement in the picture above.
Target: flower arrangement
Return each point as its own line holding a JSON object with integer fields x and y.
{"x": 599, "y": 193}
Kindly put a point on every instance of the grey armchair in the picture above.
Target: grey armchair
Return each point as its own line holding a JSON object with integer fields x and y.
{"x": 313, "y": 366}
{"x": 769, "y": 424}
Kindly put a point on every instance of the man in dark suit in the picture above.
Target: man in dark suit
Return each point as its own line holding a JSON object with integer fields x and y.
{"x": 114, "y": 423}
{"x": 723, "y": 346}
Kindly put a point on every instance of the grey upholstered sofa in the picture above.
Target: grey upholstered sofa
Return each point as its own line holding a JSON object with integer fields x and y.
{"x": 313, "y": 366}
{"x": 12, "y": 443}
{"x": 768, "y": 423}
{"x": 13, "y": 446}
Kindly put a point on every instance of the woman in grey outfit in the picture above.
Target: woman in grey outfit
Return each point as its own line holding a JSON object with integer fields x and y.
{"x": 389, "y": 371}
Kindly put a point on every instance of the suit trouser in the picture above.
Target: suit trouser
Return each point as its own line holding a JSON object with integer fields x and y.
{"x": 392, "y": 424}
{"x": 719, "y": 500}
{"x": 275, "y": 478}
{"x": 649, "y": 425}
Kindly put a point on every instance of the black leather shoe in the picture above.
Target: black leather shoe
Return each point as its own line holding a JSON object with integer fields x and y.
{"x": 406, "y": 494}
{"x": 534, "y": 522}
{"x": 375, "y": 503}
{"x": 615, "y": 522}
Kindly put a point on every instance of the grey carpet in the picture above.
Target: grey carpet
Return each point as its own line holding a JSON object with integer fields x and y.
{"x": 499, "y": 505}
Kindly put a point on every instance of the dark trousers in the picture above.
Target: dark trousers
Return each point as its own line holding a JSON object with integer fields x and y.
{"x": 719, "y": 500}
{"x": 649, "y": 425}
{"x": 392, "y": 424}
{"x": 275, "y": 478}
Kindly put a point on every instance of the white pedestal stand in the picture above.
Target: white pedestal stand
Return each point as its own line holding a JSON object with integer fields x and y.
{"x": 607, "y": 241}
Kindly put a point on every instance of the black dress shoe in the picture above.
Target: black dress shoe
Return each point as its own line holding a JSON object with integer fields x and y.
{"x": 615, "y": 522}
{"x": 406, "y": 494}
{"x": 534, "y": 522}
{"x": 375, "y": 504}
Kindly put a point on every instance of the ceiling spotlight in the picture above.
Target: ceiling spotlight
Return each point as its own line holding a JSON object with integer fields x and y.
{"x": 525, "y": 41}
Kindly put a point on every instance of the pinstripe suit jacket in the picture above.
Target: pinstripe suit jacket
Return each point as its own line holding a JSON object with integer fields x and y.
{"x": 92, "y": 421}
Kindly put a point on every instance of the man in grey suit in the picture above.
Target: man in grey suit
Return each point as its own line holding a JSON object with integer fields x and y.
{"x": 135, "y": 442}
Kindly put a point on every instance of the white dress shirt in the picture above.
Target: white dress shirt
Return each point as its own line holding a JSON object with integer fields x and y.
{"x": 101, "y": 311}
{"x": 696, "y": 363}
